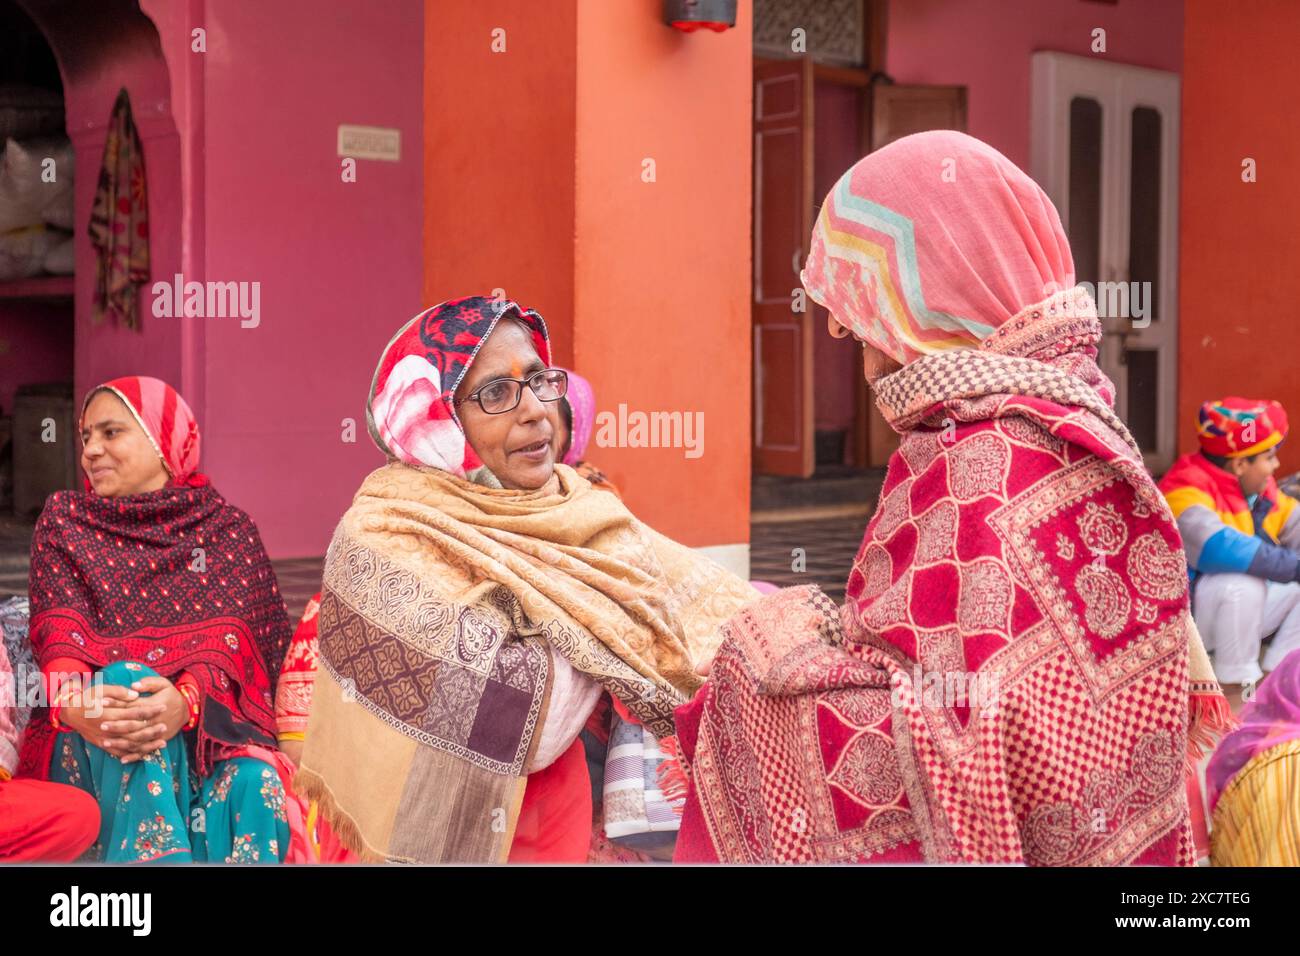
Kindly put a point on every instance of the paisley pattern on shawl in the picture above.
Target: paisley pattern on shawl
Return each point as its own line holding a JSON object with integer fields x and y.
{"x": 1011, "y": 680}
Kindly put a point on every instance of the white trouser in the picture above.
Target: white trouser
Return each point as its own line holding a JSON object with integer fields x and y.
{"x": 1235, "y": 612}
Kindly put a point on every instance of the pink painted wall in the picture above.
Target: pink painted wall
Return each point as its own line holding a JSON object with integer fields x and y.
{"x": 985, "y": 46}
{"x": 244, "y": 185}
{"x": 34, "y": 340}
{"x": 662, "y": 269}
{"x": 340, "y": 263}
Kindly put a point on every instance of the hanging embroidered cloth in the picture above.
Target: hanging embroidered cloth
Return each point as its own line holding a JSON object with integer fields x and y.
{"x": 119, "y": 221}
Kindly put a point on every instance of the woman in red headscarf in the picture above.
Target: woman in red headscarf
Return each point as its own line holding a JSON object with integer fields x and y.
{"x": 478, "y": 598}
{"x": 160, "y": 628}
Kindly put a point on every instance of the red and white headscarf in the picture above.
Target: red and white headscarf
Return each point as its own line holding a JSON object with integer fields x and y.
{"x": 410, "y": 413}
{"x": 166, "y": 419}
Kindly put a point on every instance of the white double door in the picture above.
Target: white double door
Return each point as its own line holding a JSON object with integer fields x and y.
{"x": 1104, "y": 146}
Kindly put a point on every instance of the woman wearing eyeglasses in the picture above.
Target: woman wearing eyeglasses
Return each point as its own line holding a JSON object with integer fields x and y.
{"x": 477, "y": 598}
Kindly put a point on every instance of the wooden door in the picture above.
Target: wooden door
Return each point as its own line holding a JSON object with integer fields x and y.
{"x": 783, "y": 204}
{"x": 898, "y": 110}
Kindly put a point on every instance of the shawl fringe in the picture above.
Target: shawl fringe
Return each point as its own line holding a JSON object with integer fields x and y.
{"x": 671, "y": 774}
{"x": 1210, "y": 718}
{"x": 311, "y": 786}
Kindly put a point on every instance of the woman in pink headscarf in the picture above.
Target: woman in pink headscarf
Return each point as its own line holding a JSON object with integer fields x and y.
{"x": 1008, "y": 678}
{"x": 577, "y": 413}
{"x": 1254, "y": 776}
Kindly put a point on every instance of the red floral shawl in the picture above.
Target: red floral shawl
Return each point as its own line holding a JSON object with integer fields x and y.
{"x": 176, "y": 579}
{"x": 1019, "y": 547}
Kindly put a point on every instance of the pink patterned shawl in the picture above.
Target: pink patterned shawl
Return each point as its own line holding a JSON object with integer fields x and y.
{"x": 1271, "y": 719}
{"x": 1008, "y": 680}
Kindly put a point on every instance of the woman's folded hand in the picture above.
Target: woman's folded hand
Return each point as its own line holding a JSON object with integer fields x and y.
{"x": 144, "y": 725}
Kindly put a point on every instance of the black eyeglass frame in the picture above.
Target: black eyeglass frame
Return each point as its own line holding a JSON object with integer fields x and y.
{"x": 519, "y": 391}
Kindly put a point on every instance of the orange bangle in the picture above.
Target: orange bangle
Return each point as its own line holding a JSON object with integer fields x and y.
{"x": 192, "y": 701}
{"x": 59, "y": 700}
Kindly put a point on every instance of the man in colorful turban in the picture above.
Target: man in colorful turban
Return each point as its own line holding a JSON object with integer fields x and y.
{"x": 1241, "y": 535}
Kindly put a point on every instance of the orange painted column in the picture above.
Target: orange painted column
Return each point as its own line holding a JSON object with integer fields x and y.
{"x": 599, "y": 170}
{"x": 1239, "y": 289}
{"x": 662, "y": 291}
{"x": 499, "y": 103}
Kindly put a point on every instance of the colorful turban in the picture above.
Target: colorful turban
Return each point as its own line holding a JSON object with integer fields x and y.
{"x": 1239, "y": 427}
{"x": 410, "y": 413}
{"x": 582, "y": 407}
{"x": 932, "y": 242}
{"x": 165, "y": 418}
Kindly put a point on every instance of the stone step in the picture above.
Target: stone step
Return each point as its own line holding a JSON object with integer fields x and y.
{"x": 829, "y": 485}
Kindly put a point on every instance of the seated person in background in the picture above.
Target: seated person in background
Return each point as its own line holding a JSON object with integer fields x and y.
{"x": 158, "y": 601}
{"x": 1290, "y": 485}
{"x": 39, "y": 821}
{"x": 477, "y": 599}
{"x": 1253, "y": 778}
{"x": 577, "y": 413}
{"x": 1240, "y": 534}
{"x": 293, "y": 692}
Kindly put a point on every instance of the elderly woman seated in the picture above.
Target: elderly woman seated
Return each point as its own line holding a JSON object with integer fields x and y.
{"x": 477, "y": 599}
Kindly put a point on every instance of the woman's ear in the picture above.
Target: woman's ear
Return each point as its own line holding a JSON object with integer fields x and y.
{"x": 833, "y": 326}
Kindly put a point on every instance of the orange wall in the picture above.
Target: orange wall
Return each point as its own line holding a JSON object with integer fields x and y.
{"x": 533, "y": 162}
{"x": 1239, "y": 242}
{"x": 662, "y": 299}
{"x": 498, "y": 156}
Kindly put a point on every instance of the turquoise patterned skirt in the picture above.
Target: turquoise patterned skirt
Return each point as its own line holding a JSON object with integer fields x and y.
{"x": 158, "y": 810}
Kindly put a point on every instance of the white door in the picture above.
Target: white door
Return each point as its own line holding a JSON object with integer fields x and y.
{"x": 1105, "y": 149}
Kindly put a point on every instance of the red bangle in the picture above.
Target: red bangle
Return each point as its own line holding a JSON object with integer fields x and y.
{"x": 192, "y": 702}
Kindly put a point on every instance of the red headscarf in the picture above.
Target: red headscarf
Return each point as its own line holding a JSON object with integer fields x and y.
{"x": 175, "y": 578}
{"x": 166, "y": 419}
{"x": 410, "y": 412}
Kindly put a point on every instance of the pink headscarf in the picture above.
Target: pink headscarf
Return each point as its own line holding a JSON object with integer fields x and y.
{"x": 582, "y": 404}
{"x": 932, "y": 242}
{"x": 1272, "y": 718}
{"x": 166, "y": 419}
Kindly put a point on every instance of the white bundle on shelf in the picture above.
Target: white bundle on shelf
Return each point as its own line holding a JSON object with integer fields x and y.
{"x": 36, "y": 208}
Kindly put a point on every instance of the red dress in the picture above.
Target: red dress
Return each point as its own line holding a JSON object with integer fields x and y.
{"x": 43, "y": 822}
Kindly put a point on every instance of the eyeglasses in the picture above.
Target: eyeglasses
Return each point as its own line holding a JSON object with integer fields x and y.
{"x": 502, "y": 395}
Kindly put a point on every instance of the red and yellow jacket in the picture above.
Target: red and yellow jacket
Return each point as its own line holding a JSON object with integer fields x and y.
{"x": 1222, "y": 532}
